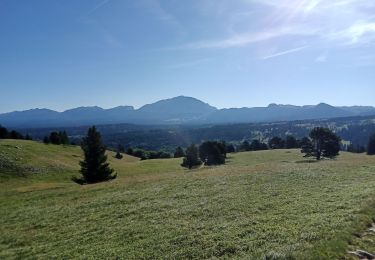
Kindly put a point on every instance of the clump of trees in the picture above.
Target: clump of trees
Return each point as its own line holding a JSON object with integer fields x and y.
{"x": 291, "y": 142}
{"x": 57, "y": 138}
{"x": 212, "y": 152}
{"x": 191, "y": 158}
{"x": 147, "y": 155}
{"x": 13, "y": 134}
{"x": 276, "y": 143}
{"x": 94, "y": 167}
{"x": 208, "y": 153}
{"x": 371, "y": 145}
{"x": 323, "y": 143}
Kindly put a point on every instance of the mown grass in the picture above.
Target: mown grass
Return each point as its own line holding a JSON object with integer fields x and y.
{"x": 260, "y": 205}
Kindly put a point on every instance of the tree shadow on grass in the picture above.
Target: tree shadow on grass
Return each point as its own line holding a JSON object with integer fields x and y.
{"x": 307, "y": 161}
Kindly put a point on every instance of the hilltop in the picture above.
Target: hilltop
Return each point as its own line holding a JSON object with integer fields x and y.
{"x": 179, "y": 110}
{"x": 267, "y": 204}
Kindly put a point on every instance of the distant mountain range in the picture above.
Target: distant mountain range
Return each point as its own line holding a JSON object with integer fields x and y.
{"x": 177, "y": 110}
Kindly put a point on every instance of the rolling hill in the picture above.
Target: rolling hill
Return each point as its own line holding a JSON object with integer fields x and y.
{"x": 260, "y": 205}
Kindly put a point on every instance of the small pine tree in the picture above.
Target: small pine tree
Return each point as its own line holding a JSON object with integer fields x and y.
{"x": 371, "y": 145}
{"x": 118, "y": 155}
{"x": 179, "y": 153}
{"x": 191, "y": 158}
{"x": 94, "y": 167}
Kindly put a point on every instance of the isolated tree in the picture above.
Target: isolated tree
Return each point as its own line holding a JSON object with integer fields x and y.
{"x": 118, "y": 155}
{"x": 371, "y": 145}
{"x": 94, "y": 167}
{"x": 212, "y": 153}
{"x": 291, "y": 142}
{"x": 323, "y": 143}
{"x": 191, "y": 158}
{"x": 179, "y": 152}
{"x": 276, "y": 143}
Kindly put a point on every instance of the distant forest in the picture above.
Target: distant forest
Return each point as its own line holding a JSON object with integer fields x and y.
{"x": 352, "y": 130}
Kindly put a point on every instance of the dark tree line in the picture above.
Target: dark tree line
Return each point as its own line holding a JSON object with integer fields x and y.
{"x": 290, "y": 142}
{"x": 147, "y": 155}
{"x": 57, "y": 138}
{"x": 371, "y": 145}
{"x": 13, "y": 134}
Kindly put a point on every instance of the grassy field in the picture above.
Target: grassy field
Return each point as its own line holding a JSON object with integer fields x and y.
{"x": 260, "y": 205}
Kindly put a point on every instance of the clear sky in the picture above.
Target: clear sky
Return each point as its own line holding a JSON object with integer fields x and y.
{"x": 61, "y": 54}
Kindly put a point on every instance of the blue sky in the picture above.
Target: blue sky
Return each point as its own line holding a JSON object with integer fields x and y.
{"x": 61, "y": 54}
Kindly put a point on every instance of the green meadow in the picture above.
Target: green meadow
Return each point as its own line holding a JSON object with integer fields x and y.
{"x": 259, "y": 205}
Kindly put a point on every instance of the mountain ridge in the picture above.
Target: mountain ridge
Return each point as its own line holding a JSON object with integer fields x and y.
{"x": 177, "y": 110}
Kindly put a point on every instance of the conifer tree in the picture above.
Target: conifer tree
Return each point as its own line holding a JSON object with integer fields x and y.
{"x": 324, "y": 143}
{"x": 94, "y": 167}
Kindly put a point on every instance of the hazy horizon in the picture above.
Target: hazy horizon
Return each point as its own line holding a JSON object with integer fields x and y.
{"x": 246, "y": 53}
{"x": 184, "y": 96}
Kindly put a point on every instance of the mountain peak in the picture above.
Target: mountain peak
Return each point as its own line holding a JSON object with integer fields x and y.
{"x": 176, "y": 110}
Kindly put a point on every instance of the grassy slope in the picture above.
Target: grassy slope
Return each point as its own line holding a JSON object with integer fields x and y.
{"x": 261, "y": 204}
